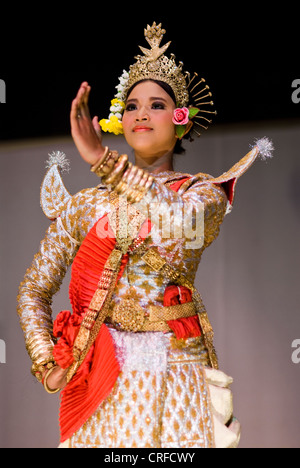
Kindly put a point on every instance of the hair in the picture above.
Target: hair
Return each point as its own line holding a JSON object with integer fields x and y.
{"x": 178, "y": 149}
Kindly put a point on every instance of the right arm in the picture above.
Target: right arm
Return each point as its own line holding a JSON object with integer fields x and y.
{"x": 41, "y": 282}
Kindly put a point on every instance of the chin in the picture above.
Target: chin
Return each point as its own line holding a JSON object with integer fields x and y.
{"x": 145, "y": 150}
{"x": 148, "y": 149}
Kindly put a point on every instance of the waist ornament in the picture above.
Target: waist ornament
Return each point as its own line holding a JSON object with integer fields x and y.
{"x": 130, "y": 316}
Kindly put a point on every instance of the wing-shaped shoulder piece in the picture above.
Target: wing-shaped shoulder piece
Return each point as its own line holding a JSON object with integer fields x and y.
{"x": 54, "y": 194}
{"x": 263, "y": 148}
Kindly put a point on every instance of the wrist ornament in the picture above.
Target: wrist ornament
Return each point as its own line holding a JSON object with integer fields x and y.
{"x": 38, "y": 369}
{"x": 48, "y": 390}
{"x": 134, "y": 184}
{"x": 124, "y": 177}
{"x": 117, "y": 172}
{"x": 105, "y": 165}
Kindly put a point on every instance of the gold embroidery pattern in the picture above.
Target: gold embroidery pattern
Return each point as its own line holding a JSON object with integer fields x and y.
{"x": 49, "y": 266}
{"x": 80, "y": 213}
{"x": 161, "y": 398}
{"x": 152, "y": 258}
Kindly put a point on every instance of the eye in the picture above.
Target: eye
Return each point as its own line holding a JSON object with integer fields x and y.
{"x": 158, "y": 105}
{"x": 130, "y": 107}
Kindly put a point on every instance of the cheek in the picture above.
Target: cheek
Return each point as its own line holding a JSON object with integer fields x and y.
{"x": 126, "y": 121}
{"x": 164, "y": 124}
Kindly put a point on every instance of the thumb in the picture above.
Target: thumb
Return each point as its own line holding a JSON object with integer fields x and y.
{"x": 97, "y": 127}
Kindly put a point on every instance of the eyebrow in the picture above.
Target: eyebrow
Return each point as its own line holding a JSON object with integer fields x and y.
{"x": 151, "y": 99}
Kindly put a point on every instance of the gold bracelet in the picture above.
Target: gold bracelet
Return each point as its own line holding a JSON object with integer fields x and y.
{"x": 137, "y": 179}
{"x": 38, "y": 368}
{"x": 103, "y": 169}
{"x": 142, "y": 190}
{"x": 48, "y": 390}
{"x": 130, "y": 176}
{"x": 120, "y": 185}
{"x": 42, "y": 368}
{"x": 141, "y": 182}
{"x": 117, "y": 172}
{"x": 133, "y": 192}
{"x": 121, "y": 188}
{"x": 95, "y": 167}
{"x": 106, "y": 169}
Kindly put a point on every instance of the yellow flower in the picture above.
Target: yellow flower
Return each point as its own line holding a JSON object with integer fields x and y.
{"x": 103, "y": 124}
{"x": 118, "y": 101}
{"x": 113, "y": 125}
{"x": 116, "y": 125}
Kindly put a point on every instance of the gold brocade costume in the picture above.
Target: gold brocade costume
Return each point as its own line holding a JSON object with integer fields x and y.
{"x": 162, "y": 397}
{"x": 67, "y": 232}
{"x": 166, "y": 395}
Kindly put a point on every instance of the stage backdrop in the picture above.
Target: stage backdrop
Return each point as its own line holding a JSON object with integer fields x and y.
{"x": 249, "y": 280}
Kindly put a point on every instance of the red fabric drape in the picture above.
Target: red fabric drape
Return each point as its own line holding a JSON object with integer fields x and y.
{"x": 186, "y": 327}
{"x": 96, "y": 377}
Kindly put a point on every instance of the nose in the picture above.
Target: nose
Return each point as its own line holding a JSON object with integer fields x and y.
{"x": 142, "y": 115}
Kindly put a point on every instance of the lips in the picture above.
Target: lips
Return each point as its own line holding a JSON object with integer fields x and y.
{"x": 141, "y": 128}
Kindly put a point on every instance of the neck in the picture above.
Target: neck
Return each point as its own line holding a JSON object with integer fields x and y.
{"x": 154, "y": 164}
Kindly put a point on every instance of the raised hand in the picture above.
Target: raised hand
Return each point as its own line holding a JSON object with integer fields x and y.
{"x": 86, "y": 133}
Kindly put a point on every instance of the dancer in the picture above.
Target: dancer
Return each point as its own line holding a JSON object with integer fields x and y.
{"x": 134, "y": 361}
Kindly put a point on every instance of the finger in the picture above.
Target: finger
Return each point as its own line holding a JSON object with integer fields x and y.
{"x": 81, "y": 91}
{"x": 97, "y": 127}
{"x": 80, "y": 98}
{"x": 79, "y": 106}
{"x": 76, "y": 103}
{"x": 83, "y": 97}
{"x": 80, "y": 95}
{"x": 74, "y": 111}
{"x": 87, "y": 94}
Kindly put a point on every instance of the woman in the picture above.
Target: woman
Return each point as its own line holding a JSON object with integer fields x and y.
{"x": 135, "y": 361}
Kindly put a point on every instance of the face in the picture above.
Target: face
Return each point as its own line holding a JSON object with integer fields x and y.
{"x": 147, "y": 120}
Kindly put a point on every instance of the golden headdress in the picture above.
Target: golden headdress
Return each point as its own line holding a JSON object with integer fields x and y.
{"x": 155, "y": 65}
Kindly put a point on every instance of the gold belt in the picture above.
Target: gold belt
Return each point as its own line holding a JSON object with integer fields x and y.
{"x": 130, "y": 316}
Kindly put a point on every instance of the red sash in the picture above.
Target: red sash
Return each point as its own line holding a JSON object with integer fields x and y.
{"x": 97, "y": 376}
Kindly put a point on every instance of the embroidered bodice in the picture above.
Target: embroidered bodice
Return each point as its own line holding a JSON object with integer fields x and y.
{"x": 202, "y": 202}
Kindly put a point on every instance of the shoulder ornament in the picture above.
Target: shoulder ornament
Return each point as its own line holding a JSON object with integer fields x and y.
{"x": 54, "y": 194}
{"x": 262, "y": 148}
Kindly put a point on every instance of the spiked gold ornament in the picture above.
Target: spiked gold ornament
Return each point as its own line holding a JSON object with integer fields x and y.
{"x": 154, "y": 37}
{"x": 157, "y": 66}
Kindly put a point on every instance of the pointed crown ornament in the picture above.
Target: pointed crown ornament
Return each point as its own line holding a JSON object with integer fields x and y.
{"x": 155, "y": 65}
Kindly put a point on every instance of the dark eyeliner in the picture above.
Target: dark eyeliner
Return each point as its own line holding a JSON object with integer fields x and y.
{"x": 158, "y": 105}
{"x": 130, "y": 107}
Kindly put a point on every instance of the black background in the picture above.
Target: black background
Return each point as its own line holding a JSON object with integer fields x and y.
{"x": 248, "y": 56}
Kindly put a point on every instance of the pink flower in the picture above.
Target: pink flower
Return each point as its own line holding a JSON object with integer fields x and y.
{"x": 181, "y": 116}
